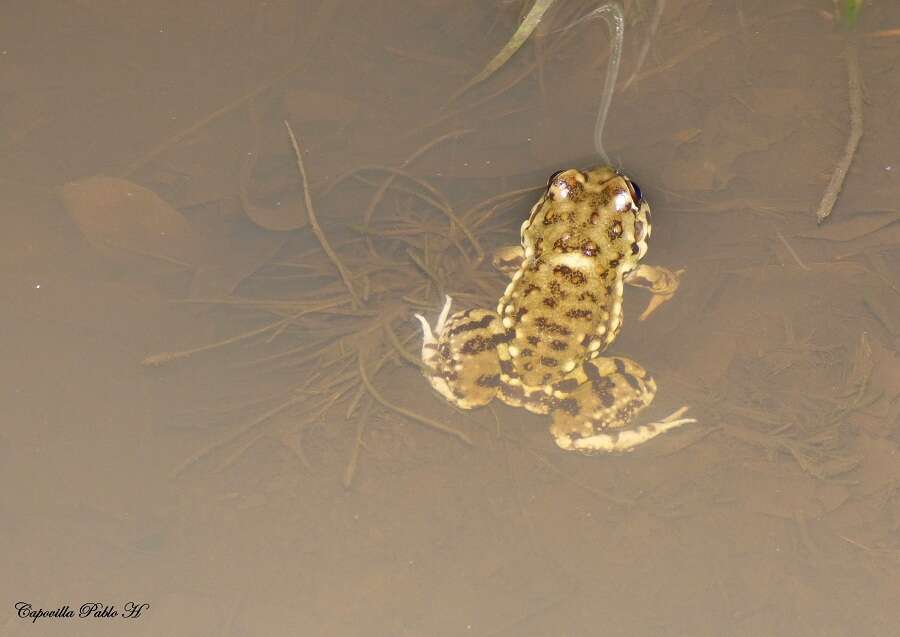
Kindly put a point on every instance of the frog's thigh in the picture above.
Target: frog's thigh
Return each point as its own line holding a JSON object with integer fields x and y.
{"x": 465, "y": 367}
{"x": 597, "y": 414}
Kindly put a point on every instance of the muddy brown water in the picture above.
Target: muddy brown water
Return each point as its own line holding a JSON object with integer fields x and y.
{"x": 778, "y": 513}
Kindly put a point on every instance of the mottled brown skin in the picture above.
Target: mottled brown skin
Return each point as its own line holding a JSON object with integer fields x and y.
{"x": 563, "y": 307}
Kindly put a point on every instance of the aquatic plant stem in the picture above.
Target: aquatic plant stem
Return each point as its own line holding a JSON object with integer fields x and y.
{"x": 353, "y": 462}
{"x": 324, "y": 14}
{"x": 314, "y": 223}
{"x": 157, "y": 360}
{"x": 648, "y": 40}
{"x": 405, "y": 412}
{"x": 210, "y": 448}
{"x": 856, "y": 132}
{"x": 612, "y": 13}
{"x": 529, "y": 24}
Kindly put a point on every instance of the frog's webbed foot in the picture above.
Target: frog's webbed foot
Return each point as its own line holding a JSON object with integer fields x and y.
{"x": 430, "y": 338}
{"x": 627, "y": 439}
{"x": 661, "y": 282}
{"x": 597, "y": 416}
{"x": 437, "y": 367}
{"x": 460, "y": 355}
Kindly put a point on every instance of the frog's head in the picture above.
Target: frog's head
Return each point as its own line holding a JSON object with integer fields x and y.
{"x": 596, "y": 215}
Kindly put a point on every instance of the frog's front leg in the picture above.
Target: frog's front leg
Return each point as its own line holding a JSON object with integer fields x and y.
{"x": 460, "y": 355}
{"x": 508, "y": 259}
{"x": 597, "y": 415}
{"x": 661, "y": 282}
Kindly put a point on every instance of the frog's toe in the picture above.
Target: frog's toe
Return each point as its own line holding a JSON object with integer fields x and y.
{"x": 432, "y": 336}
{"x": 621, "y": 440}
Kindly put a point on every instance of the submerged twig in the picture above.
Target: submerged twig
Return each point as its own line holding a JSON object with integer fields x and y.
{"x": 438, "y": 198}
{"x": 314, "y": 224}
{"x": 361, "y": 389}
{"x": 447, "y": 114}
{"x": 213, "y": 447}
{"x": 316, "y": 28}
{"x": 529, "y": 24}
{"x": 297, "y": 448}
{"x": 271, "y": 219}
{"x": 856, "y": 133}
{"x": 401, "y": 350}
{"x": 353, "y": 462}
{"x": 790, "y": 249}
{"x": 405, "y": 412}
{"x": 611, "y": 12}
{"x": 429, "y": 272}
{"x": 389, "y": 180}
{"x": 167, "y": 357}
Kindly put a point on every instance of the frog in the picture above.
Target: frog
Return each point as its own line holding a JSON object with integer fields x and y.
{"x": 540, "y": 350}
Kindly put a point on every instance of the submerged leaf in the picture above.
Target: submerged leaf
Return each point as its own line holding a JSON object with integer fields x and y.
{"x": 129, "y": 223}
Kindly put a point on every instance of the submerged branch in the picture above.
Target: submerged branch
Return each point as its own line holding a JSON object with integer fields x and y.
{"x": 856, "y": 132}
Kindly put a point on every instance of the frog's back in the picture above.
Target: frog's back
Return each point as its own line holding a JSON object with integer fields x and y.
{"x": 564, "y": 304}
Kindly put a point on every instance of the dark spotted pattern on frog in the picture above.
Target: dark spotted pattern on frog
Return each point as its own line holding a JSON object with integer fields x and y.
{"x": 563, "y": 306}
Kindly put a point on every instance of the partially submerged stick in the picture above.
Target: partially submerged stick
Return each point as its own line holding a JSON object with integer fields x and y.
{"x": 856, "y": 132}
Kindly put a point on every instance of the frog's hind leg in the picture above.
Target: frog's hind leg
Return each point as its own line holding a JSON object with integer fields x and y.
{"x": 596, "y": 417}
{"x": 460, "y": 356}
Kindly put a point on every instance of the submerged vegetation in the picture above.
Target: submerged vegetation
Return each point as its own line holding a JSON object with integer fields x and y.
{"x": 850, "y": 12}
{"x": 354, "y": 321}
{"x": 337, "y": 302}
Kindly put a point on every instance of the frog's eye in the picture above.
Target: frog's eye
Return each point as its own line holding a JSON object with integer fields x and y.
{"x": 553, "y": 177}
{"x": 637, "y": 192}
